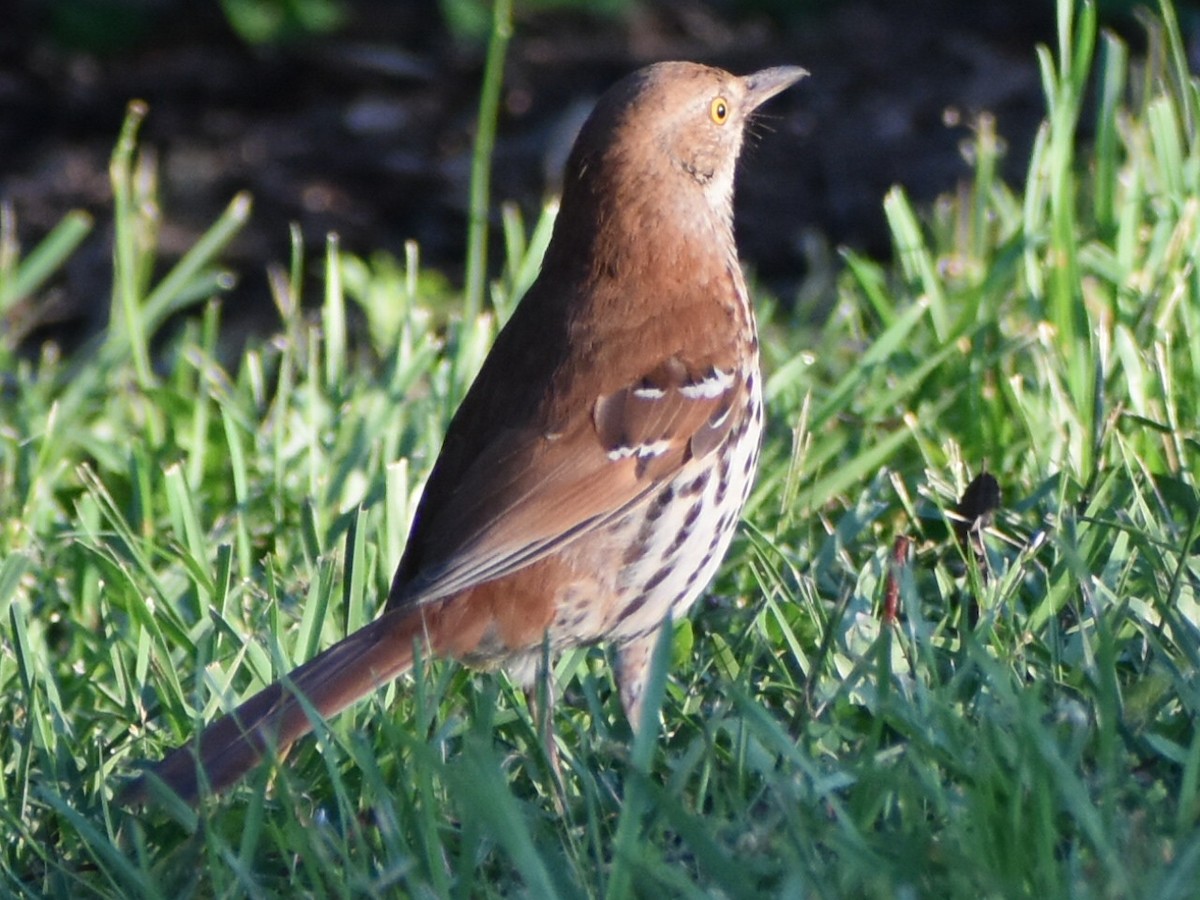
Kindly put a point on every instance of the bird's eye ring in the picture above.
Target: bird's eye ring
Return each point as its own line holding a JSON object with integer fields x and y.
{"x": 718, "y": 110}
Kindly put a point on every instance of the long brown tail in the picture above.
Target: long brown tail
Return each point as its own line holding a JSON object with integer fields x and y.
{"x": 274, "y": 718}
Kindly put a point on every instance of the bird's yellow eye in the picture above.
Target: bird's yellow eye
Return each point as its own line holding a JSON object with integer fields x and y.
{"x": 718, "y": 110}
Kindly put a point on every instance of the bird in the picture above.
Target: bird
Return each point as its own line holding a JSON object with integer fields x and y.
{"x": 592, "y": 478}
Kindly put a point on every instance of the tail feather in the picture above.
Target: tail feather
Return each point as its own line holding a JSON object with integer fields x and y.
{"x": 274, "y": 718}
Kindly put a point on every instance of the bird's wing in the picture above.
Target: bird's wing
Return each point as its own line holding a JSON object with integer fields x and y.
{"x": 527, "y": 493}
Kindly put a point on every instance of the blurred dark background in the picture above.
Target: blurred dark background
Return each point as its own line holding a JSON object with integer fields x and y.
{"x": 357, "y": 116}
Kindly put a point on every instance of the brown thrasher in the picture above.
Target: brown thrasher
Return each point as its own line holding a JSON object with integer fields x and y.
{"x": 592, "y": 479}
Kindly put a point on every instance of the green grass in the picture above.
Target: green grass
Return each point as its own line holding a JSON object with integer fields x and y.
{"x": 176, "y": 530}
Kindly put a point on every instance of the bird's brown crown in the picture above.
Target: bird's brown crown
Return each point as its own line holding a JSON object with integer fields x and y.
{"x": 677, "y": 123}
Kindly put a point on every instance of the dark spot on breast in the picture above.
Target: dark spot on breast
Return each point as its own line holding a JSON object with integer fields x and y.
{"x": 657, "y": 578}
{"x": 660, "y": 503}
{"x": 685, "y": 530}
{"x": 712, "y": 544}
{"x": 748, "y": 468}
{"x": 722, "y": 485}
{"x": 633, "y": 607}
{"x": 696, "y": 485}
